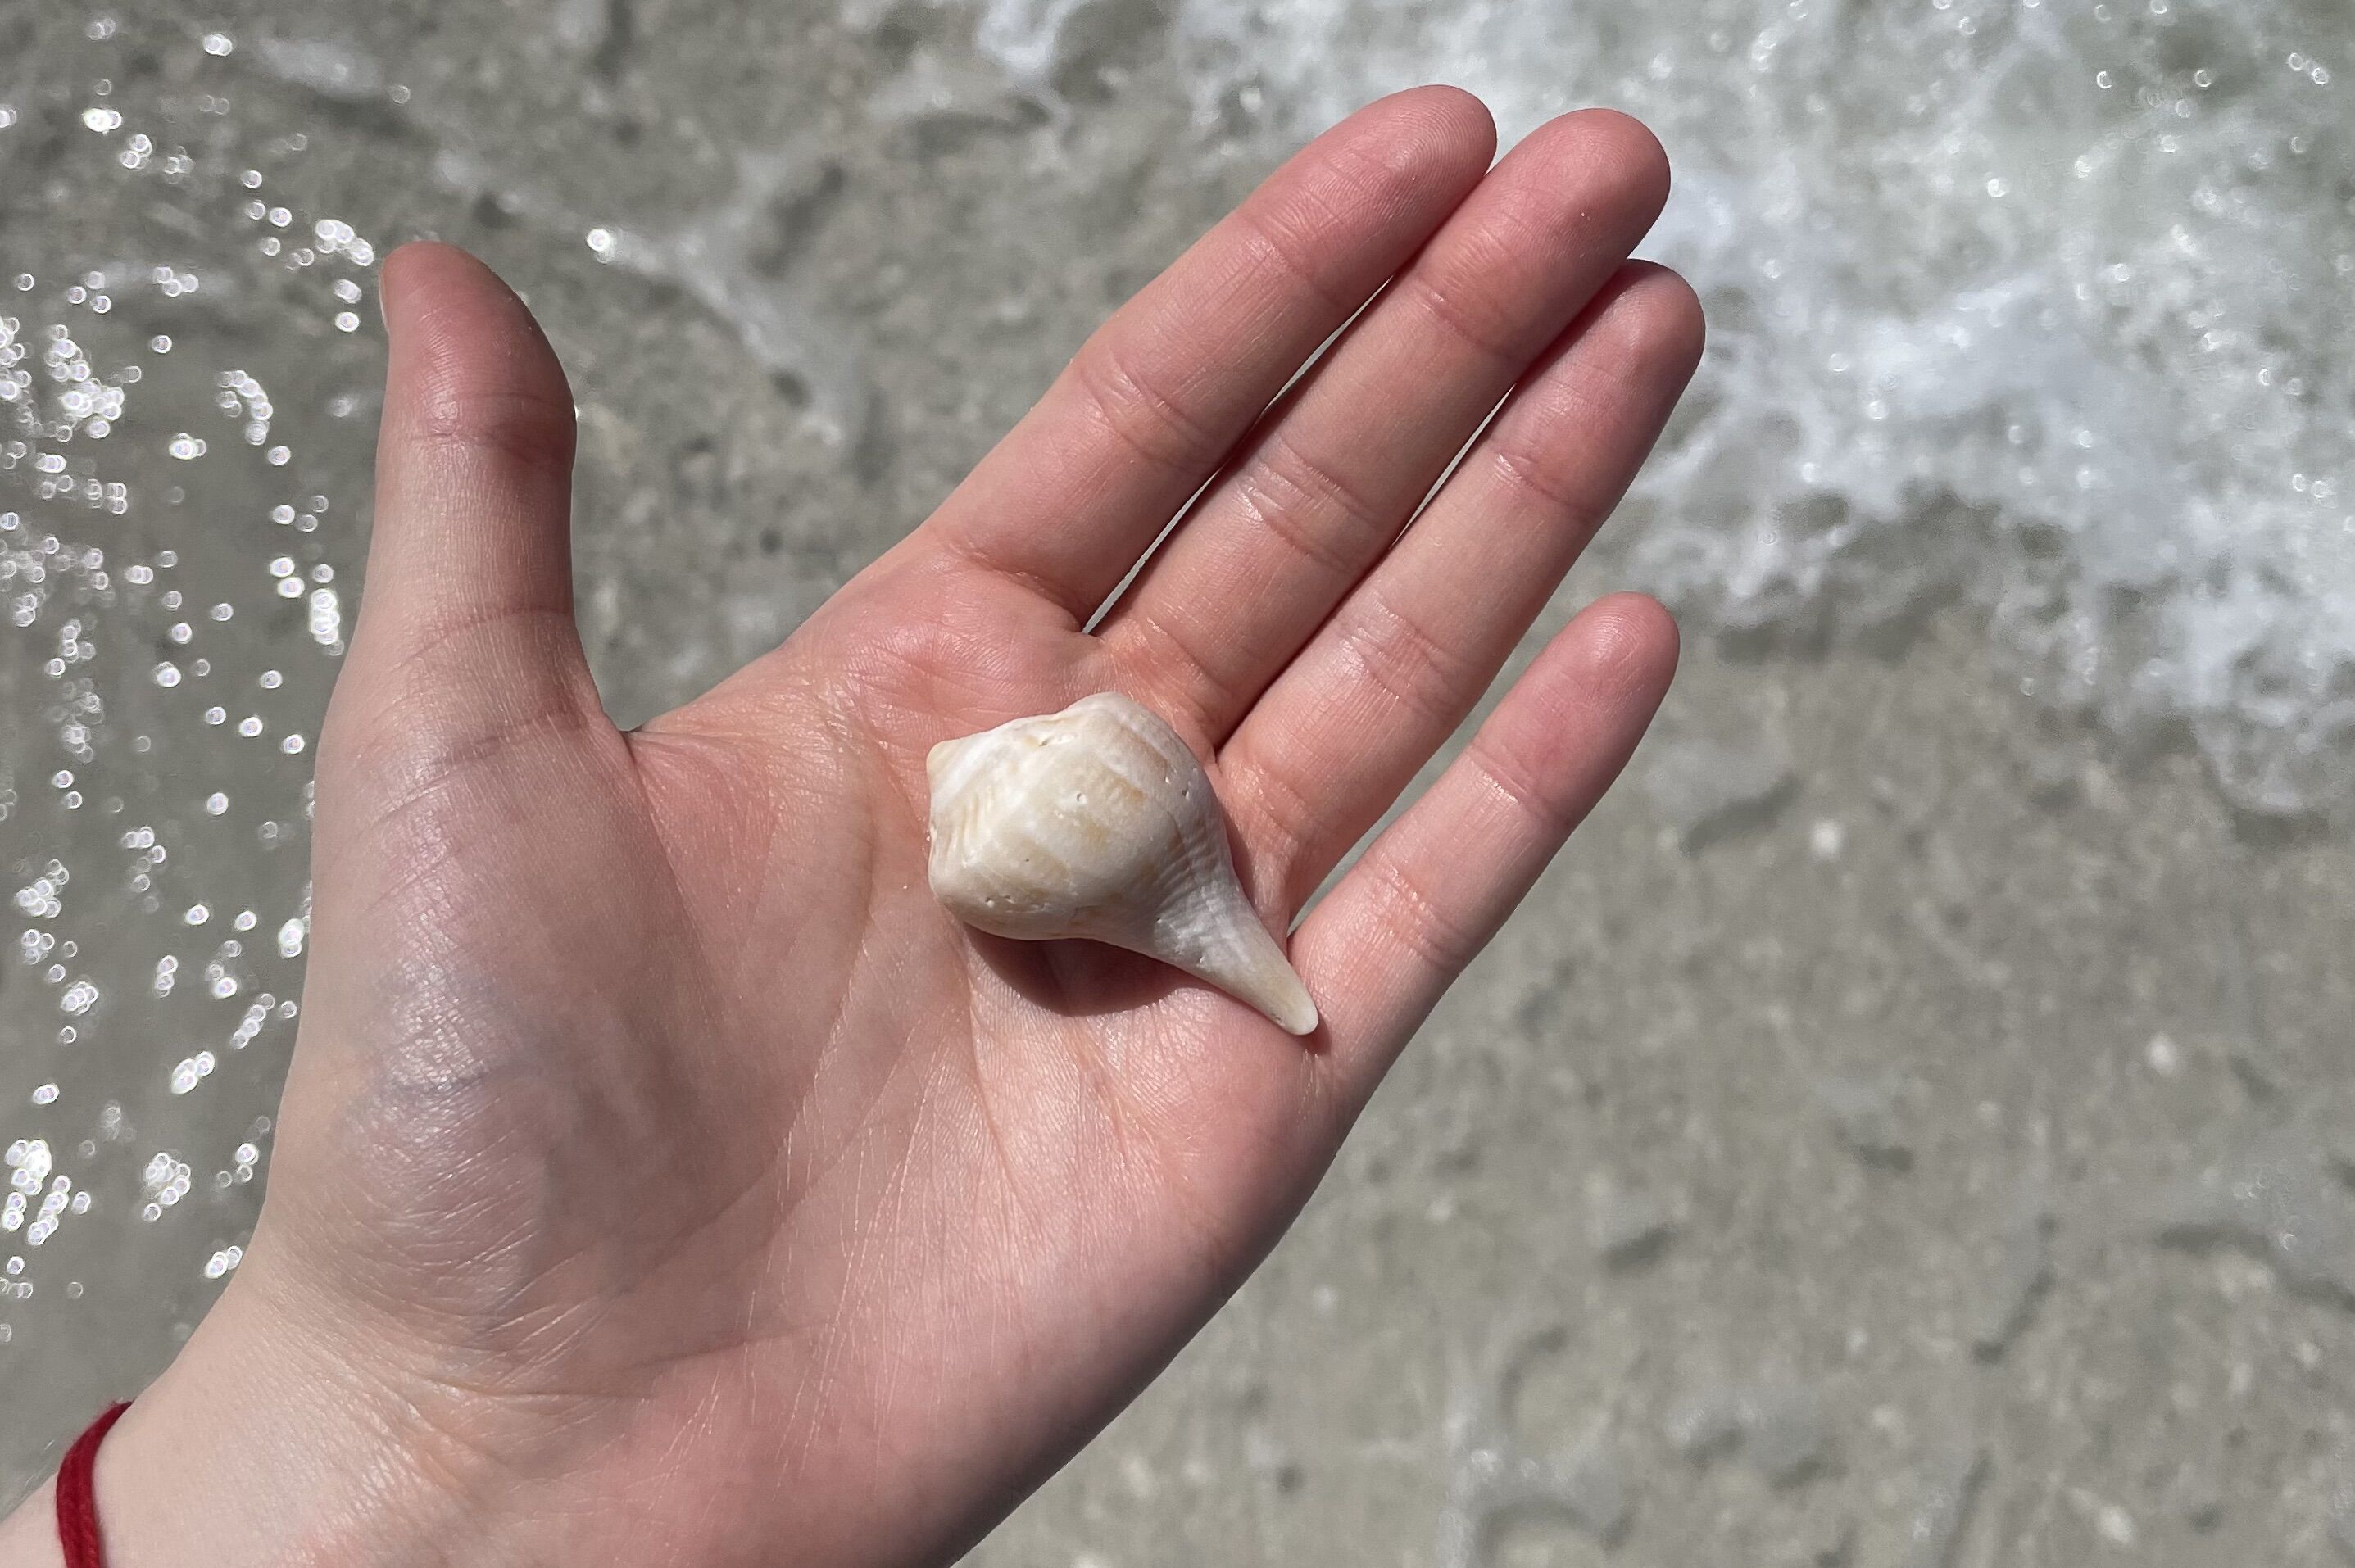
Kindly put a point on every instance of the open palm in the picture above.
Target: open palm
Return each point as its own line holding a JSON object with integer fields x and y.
{"x": 663, "y": 1173}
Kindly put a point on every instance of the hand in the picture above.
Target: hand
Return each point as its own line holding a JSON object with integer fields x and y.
{"x": 663, "y": 1176}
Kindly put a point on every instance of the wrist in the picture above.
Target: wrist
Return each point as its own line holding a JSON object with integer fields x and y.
{"x": 266, "y": 1443}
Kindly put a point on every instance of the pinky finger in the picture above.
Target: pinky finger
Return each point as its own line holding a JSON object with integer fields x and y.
{"x": 1427, "y": 895}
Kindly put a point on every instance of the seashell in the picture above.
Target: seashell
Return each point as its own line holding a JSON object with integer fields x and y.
{"x": 1098, "y": 823}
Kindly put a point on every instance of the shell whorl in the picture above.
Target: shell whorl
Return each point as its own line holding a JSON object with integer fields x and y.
{"x": 1098, "y": 823}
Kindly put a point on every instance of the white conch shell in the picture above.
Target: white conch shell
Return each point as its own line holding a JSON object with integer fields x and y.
{"x": 1097, "y": 821}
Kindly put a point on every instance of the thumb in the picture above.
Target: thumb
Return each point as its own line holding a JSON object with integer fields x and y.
{"x": 465, "y": 622}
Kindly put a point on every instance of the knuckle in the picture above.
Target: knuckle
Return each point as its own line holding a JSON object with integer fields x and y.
{"x": 1403, "y": 658}
{"x": 1429, "y": 931}
{"x": 1300, "y": 498}
{"x": 506, "y": 424}
{"x": 420, "y": 732}
{"x": 1520, "y": 778}
{"x": 1456, "y": 308}
{"x": 1166, "y": 644}
{"x": 1145, "y": 416}
{"x": 1284, "y": 817}
{"x": 1537, "y": 469}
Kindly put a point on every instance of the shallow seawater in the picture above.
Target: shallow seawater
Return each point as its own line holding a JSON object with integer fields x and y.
{"x": 2043, "y": 304}
{"x": 184, "y": 411}
{"x": 2032, "y": 338}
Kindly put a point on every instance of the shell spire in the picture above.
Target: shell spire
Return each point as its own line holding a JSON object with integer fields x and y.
{"x": 1098, "y": 823}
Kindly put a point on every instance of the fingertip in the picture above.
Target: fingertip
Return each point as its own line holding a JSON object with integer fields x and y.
{"x": 1413, "y": 146}
{"x": 1625, "y": 647}
{"x": 1664, "y": 313}
{"x": 1450, "y": 117}
{"x": 1630, "y": 355}
{"x": 448, "y": 301}
{"x": 1613, "y": 156}
{"x": 410, "y": 254}
{"x": 419, "y": 270}
{"x": 1627, "y": 144}
{"x": 425, "y": 258}
{"x": 1570, "y": 722}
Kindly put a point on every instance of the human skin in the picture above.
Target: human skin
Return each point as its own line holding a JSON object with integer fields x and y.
{"x": 662, "y": 1176}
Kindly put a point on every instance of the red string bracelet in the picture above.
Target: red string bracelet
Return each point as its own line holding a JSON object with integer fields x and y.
{"x": 78, "y": 1498}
